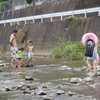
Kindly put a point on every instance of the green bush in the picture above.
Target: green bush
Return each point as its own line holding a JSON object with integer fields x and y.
{"x": 69, "y": 50}
{"x": 15, "y": 23}
{"x": 70, "y": 18}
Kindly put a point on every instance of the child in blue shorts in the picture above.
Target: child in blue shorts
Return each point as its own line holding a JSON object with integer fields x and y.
{"x": 30, "y": 50}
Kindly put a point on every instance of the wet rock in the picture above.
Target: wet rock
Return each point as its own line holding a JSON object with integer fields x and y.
{"x": 33, "y": 88}
{"x": 76, "y": 80}
{"x": 42, "y": 93}
{"x": 8, "y": 89}
{"x": 14, "y": 88}
{"x": 1, "y": 65}
{"x": 19, "y": 86}
{"x": 60, "y": 92}
{"x": 69, "y": 68}
{"x": 19, "y": 73}
{"x": 59, "y": 87}
{"x": 23, "y": 88}
{"x": 71, "y": 93}
{"x": 7, "y": 82}
{"x": 77, "y": 69}
{"x": 88, "y": 79}
{"x": 26, "y": 91}
{"x": 28, "y": 78}
{"x": 22, "y": 84}
{"x": 66, "y": 79}
{"x": 46, "y": 98}
{"x": 84, "y": 68}
{"x": 29, "y": 85}
{"x": 0, "y": 70}
{"x": 64, "y": 66}
{"x": 97, "y": 74}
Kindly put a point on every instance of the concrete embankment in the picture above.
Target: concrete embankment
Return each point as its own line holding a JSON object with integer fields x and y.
{"x": 43, "y": 34}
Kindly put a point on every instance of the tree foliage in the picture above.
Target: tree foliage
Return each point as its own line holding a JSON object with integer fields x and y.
{"x": 29, "y": 1}
{"x": 3, "y": 0}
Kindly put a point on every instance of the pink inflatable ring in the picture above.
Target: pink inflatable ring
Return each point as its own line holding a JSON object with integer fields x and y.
{"x": 97, "y": 60}
{"x": 85, "y": 36}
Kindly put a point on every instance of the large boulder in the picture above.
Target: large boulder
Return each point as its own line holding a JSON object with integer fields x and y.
{"x": 28, "y": 78}
{"x": 71, "y": 93}
{"x": 88, "y": 79}
{"x": 60, "y": 92}
{"x": 76, "y": 80}
{"x": 8, "y": 89}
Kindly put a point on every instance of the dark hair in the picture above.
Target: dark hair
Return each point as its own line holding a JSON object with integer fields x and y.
{"x": 15, "y": 31}
{"x": 30, "y": 42}
{"x": 22, "y": 48}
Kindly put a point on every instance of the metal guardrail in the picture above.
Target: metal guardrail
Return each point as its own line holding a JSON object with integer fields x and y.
{"x": 51, "y": 15}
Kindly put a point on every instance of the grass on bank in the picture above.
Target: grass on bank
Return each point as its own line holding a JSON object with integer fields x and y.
{"x": 71, "y": 50}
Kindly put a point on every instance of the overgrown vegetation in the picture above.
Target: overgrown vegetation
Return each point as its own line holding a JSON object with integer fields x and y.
{"x": 71, "y": 50}
{"x": 68, "y": 49}
{"x": 15, "y": 23}
{"x": 5, "y": 5}
{"x": 70, "y": 18}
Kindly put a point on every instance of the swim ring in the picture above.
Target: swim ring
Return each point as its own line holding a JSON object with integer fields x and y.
{"x": 97, "y": 60}
{"x": 85, "y": 36}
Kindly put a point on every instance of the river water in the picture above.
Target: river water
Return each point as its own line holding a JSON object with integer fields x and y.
{"x": 50, "y": 72}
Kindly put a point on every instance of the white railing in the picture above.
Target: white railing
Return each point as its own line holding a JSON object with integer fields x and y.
{"x": 51, "y": 15}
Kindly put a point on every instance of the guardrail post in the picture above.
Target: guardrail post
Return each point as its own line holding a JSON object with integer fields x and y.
{"x": 10, "y": 23}
{"x": 42, "y": 20}
{"x": 4, "y": 24}
{"x": 17, "y": 22}
{"x": 99, "y": 12}
{"x": 61, "y": 17}
{"x": 85, "y": 14}
{"x": 72, "y": 13}
{"x": 33, "y": 20}
{"x": 25, "y": 21}
{"x": 51, "y": 18}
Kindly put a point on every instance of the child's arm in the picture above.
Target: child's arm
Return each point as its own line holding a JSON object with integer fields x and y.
{"x": 33, "y": 49}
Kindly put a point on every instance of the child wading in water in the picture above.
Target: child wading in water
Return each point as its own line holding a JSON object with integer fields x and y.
{"x": 30, "y": 50}
{"x": 20, "y": 55}
{"x": 91, "y": 60}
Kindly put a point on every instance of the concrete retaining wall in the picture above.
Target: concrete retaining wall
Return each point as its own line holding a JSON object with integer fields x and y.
{"x": 43, "y": 34}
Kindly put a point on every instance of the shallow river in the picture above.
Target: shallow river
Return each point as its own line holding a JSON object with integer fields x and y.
{"x": 49, "y": 72}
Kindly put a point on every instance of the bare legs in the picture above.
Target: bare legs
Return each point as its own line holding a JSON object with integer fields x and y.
{"x": 94, "y": 67}
{"x": 20, "y": 62}
{"x": 89, "y": 62}
{"x": 13, "y": 61}
{"x": 30, "y": 59}
{"x": 13, "y": 64}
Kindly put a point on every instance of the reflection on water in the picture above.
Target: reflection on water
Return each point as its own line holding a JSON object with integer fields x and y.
{"x": 47, "y": 71}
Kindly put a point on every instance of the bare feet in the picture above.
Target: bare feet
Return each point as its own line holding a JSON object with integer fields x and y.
{"x": 19, "y": 66}
{"x": 14, "y": 67}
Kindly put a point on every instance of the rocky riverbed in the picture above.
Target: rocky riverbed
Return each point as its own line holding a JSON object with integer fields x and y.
{"x": 49, "y": 79}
